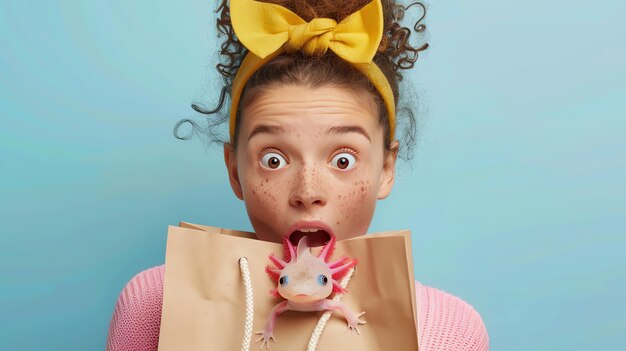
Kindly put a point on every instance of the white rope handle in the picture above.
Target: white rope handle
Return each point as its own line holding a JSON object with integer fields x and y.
{"x": 321, "y": 324}
{"x": 247, "y": 283}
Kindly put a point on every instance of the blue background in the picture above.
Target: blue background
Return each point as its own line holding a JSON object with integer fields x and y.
{"x": 515, "y": 196}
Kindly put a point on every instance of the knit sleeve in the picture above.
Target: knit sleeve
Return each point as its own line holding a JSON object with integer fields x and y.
{"x": 447, "y": 323}
{"x": 137, "y": 316}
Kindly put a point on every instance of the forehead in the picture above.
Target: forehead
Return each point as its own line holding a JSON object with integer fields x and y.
{"x": 303, "y": 110}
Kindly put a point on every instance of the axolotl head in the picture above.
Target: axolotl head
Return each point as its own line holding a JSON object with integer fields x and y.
{"x": 302, "y": 277}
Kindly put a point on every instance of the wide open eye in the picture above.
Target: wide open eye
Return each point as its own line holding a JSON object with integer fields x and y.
{"x": 322, "y": 279}
{"x": 283, "y": 280}
{"x": 343, "y": 161}
{"x": 273, "y": 160}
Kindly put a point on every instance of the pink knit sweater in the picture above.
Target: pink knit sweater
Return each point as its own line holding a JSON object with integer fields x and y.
{"x": 444, "y": 323}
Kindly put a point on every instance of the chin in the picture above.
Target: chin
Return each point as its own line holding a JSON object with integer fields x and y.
{"x": 304, "y": 299}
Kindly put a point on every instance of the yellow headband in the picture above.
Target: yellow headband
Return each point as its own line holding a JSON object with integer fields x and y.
{"x": 268, "y": 30}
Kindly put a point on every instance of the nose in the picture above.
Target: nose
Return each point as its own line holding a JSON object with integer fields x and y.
{"x": 307, "y": 190}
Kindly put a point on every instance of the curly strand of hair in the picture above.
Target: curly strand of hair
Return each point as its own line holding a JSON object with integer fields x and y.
{"x": 231, "y": 49}
{"x": 400, "y": 47}
{"x": 220, "y": 103}
{"x": 177, "y": 126}
{"x": 197, "y": 129}
{"x": 419, "y": 27}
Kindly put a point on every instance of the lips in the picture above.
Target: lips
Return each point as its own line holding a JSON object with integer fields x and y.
{"x": 317, "y": 237}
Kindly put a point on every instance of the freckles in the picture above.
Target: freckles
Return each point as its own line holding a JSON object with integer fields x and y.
{"x": 366, "y": 188}
{"x": 352, "y": 200}
{"x": 265, "y": 198}
{"x": 347, "y": 202}
{"x": 362, "y": 194}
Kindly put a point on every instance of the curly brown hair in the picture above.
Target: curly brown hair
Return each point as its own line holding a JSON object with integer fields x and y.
{"x": 395, "y": 53}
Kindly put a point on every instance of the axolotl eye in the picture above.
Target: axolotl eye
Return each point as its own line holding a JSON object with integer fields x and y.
{"x": 283, "y": 280}
{"x": 322, "y": 279}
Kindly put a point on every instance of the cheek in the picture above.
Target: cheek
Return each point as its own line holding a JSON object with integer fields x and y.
{"x": 356, "y": 200}
{"x": 323, "y": 291}
{"x": 261, "y": 197}
{"x": 328, "y": 289}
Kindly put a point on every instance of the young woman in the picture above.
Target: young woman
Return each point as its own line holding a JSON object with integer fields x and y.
{"x": 312, "y": 144}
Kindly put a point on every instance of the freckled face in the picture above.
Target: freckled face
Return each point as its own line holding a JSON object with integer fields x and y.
{"x": 310, "y": 154}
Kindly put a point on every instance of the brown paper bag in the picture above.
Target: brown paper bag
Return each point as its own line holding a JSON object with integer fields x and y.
{"x": 204, "y": 308}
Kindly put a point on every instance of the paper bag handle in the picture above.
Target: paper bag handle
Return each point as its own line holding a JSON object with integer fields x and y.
{"x": 247, "y": 284}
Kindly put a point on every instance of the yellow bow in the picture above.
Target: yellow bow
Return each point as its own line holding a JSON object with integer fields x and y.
{"x": 268, "y": 30}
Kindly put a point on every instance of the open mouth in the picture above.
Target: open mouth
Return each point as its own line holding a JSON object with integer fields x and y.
{"x": 317, "y": 233}
{"x": 317, "y": 238}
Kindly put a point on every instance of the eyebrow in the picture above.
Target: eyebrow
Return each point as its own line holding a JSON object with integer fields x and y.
{"x": 264, "y": 128}
{"x": 348, "y": 129}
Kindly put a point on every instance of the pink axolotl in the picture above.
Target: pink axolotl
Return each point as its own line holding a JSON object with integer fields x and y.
{"x": 306, "y": 282}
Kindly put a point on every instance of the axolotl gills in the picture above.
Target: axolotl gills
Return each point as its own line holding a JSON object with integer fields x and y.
{"x": 306, "y": 281}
